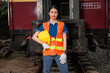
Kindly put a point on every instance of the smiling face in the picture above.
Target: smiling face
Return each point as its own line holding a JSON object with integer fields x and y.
{"x": 53, "y": 13}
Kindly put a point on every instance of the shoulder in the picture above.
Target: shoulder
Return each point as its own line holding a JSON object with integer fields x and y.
{"x": 45, "y": 22}
{"x": 61, "y": 23}
{"x": 40, "y": 28}
{"x": 46, "y": 25}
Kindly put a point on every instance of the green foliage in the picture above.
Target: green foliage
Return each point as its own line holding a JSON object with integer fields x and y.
{"x": 4, "y": 28}
{"x": 3, "y": 9}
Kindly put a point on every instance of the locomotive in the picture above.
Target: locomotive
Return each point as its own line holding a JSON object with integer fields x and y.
{"x": 87, "y": 22}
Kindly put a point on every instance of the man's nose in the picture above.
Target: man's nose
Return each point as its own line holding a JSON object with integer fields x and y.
{"x": 53, "y": 13}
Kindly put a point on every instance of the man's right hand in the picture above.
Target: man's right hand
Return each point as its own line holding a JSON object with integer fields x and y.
{"x": 45, "y": 46}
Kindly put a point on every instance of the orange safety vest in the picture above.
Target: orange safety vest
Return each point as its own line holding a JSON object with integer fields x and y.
{"x": 56, "y": 45}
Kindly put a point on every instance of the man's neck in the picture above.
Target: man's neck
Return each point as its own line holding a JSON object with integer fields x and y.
{"x": 53, "y": 21}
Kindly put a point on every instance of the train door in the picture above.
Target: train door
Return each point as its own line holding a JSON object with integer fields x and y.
{"x": 68, "y": 9}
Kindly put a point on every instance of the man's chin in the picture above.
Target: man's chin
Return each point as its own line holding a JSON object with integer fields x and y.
{"x": 53, "y": 18}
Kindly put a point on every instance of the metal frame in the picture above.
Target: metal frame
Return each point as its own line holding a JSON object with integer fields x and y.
{"x": 39, "y": 9}
{"x": 74, "y": 9}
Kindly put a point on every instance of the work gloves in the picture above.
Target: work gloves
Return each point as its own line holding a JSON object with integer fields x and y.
{"x": 45, "y": 46}
{"x": 63, "y": 58}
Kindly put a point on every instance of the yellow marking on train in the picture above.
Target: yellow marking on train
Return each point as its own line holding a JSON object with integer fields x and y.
{"x": 22, "y": 0}
{"x": 86, "y": 0}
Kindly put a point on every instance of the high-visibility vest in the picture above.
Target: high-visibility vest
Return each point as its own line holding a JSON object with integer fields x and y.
{"x": 56, "y": 45}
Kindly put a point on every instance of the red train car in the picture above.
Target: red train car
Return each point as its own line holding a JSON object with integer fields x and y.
{"x": 22, "y": 12}
{"x": 95, "y": 14}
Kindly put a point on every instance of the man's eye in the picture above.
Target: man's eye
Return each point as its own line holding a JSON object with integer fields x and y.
{"x": 55, "y": 12}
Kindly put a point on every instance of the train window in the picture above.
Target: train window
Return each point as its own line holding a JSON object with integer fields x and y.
{"x": 65, "y": 10}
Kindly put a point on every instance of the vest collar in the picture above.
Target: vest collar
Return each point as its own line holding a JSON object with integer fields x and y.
{"x": 55, "y": 23}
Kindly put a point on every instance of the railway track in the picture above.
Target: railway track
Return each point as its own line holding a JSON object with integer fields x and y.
{"x": 77, "y": 63}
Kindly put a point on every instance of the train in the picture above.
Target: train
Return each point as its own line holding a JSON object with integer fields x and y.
{"x": 24, "y": 15}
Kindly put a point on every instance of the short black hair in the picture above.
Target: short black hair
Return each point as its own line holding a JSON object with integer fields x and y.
{"x": 53, "y": 6}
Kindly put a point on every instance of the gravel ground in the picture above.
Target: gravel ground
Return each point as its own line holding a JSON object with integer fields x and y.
{"x": 17, "y": 63}
{"x": 100, "y": 60}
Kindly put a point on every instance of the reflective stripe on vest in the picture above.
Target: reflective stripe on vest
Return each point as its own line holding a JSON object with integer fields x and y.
{"x": 57, "y": 47}
{"x": 57, "y": 39}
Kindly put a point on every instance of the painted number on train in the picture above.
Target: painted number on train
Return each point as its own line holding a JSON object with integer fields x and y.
{"x": 91, "y": 5}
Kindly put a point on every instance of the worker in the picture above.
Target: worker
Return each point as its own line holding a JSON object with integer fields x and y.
{"x": 57, "y": 48}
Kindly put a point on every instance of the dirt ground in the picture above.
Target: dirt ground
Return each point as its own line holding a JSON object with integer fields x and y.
{"x": 17, "y": 63}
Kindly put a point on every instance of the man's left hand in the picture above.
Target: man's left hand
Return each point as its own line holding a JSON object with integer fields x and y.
{"x": 63, "y": 58}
